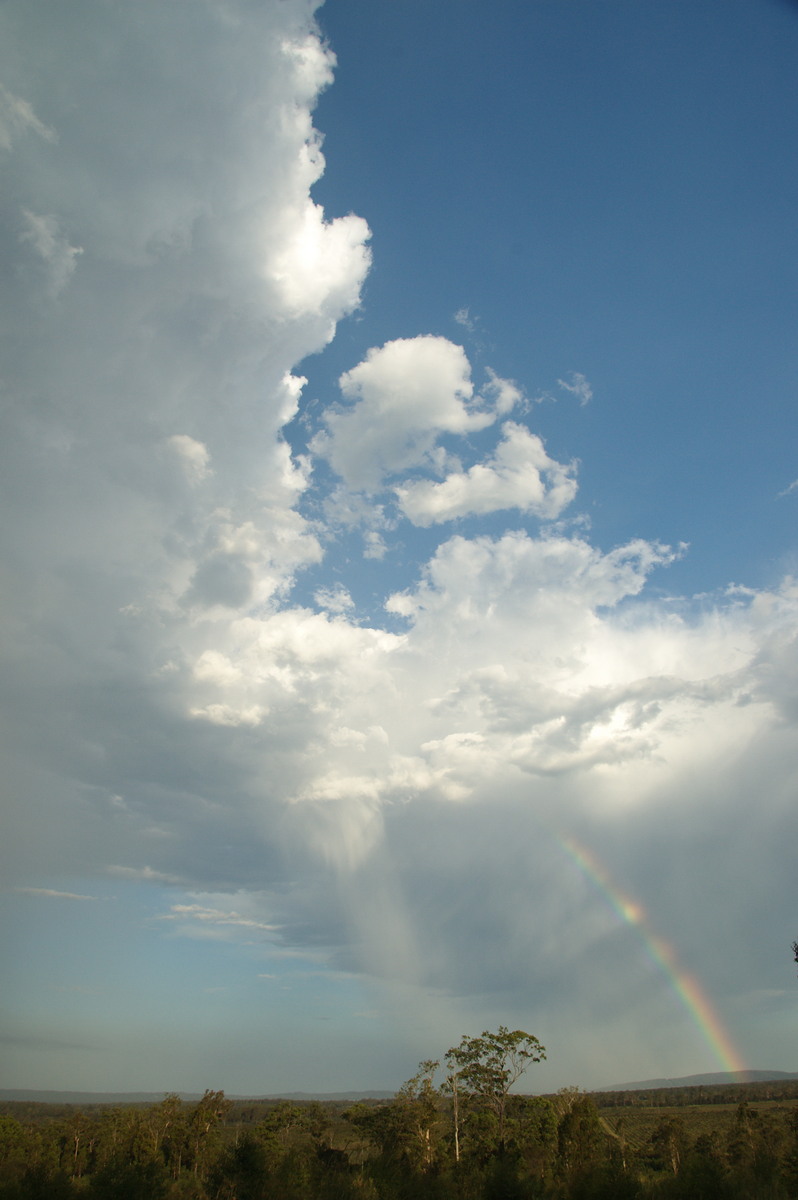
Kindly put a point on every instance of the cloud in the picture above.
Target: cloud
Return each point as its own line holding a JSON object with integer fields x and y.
{"x": 523, "y": 664}
{"x": 155, "y": 497}
{"x": 334, "y": 599}
{"x": 51, "y": 894}
{"x": 17, "y": 118}
{"x": 578, "y": 386}
{"x": 322, "y": 262}
{"x": 515, "y": 477}
{"x": 406, "y": 393}
{"x": 52, "y": 247}
{"x": 141, "y": 874}
{"x": 379, "y": 791}
{"x": 194, "y": 456}
{"x": 504, "y": 393}
{"x": 375, "y": 546}
{"x": 516, "y": 576}
{"x": 204, "y": 920}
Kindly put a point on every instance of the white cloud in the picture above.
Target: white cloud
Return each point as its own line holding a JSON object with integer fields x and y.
{"x": 375, "y": 546}
{"x": 141, "y": 874}
{"x": 52, "y": 894}
{"x": 519, "y": 475}
{"x": 405, "y": 394}
{"x": 517, "y": 577}
{"x": 380, "y": 800}
{"x": 334, "y": 599}
{"x": 205, "y": 920}
{"x": 504, "y": 393}
{"x": 322, "y": 265}
{"x": 16, "y": 118}
{"x": 170, "y": 368}
{"x": 194, "y": 456}
{"x": 578, "y": 386}
{"x": 227, "y": 714}
{"x": 53, "y": 248}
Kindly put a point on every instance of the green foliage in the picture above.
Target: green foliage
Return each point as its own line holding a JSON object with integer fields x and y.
{"x": 704, "y": 1173}
{"x": 120, "y": 1180}
{"x": 561, "y": 1147}
{"x": 754, "y": 1146}
{"x": 483, "y": 1069}
{"x": 690, "y": 1095}
{"x": 532, "y": 1134}
{"x": 669, "y": 1142}
{"x": 241, "y": 1170}
{"x": 18, "y": 1147}
{"x": 42, "y": 1183}
{"x": 581, "y": 1141}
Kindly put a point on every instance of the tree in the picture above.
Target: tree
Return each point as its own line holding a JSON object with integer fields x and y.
{"x": 791, "y": 1156}
{"x": 168, "y": 1132}
{"x": 121, "y": 1180}
{"x": 241, "y": 1171}
{"x": 486, "y": 1067}
{"x": 532, "y": 1133}
{"x": 404, "y": 1130}
{"x": 795, "y": 951}
{"x": 669, "y": 1142}
{"x": 78, "y": 1139}
{"x": 580, "y": 1138}
{"x": 418, "y": 1100}
{"x": 754, "y": 1146}
{"x": 16, "y": 1147}
{"x": 203, "y": 1126}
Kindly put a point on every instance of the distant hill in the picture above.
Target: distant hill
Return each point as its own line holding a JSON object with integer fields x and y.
{"x": 42, "y": 1097}
{"x": 712, "y": 1080}
{"x": 34, "y": 1096}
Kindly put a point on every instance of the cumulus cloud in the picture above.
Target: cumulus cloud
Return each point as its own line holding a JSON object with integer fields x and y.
{"x": 405, "y": 394}
{"x": 194, "y": 456}
{"x": 322, "y": 262}
{"x": 143, "y": 450}
{"x": 504, "y": 393}
{"x": 335, "y": 599}
{"x": 382, "y": 794}
{"x": 516, "y": 575}
{"x": 519, "y": 475}
{"x": 529, "y": 696}
{"x": 375, "y": 546}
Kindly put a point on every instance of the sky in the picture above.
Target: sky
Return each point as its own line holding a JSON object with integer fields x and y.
{"x": 399, "y": 482}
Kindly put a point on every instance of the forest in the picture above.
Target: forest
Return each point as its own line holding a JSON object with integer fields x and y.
{"x": 455, "y": 1131}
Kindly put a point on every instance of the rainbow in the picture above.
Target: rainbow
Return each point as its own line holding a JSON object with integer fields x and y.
{"x": 686, "y": 987}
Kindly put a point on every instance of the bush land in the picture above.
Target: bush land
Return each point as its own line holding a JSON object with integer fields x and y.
{"x": 569, "y": 1145}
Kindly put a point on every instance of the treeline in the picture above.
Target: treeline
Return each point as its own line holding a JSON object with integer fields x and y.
{"x": 552, "y": 1148}
{"x": 455, "y": 1131}
{"x": 714, "y": 1093}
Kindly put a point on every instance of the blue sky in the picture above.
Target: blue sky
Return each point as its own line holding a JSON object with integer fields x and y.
{"x": 400, "y": 480}
{"x": 607, "y": 189}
